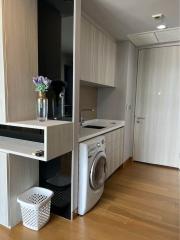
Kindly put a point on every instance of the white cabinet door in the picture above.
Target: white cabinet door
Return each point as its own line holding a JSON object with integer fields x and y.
{"x": 4, "y": 208}
{"x": 109, "y": 152}
{"x": 98, "y": 55}
{"x": 110, "y": 62}
{"x": 87, "y": 36}
{"x": 114, "y": 150}
{"x": 21, "y": 58}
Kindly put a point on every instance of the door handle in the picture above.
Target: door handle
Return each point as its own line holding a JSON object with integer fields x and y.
{"x": 140, "y": 118}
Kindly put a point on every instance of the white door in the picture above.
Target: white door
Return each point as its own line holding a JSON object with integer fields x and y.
{"x": 157, "y": 114}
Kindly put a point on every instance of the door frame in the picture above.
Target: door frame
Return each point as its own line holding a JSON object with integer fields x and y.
{"x": 161, "y": 45}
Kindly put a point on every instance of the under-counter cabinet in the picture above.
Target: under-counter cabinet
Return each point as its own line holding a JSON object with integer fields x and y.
{"x": 25, "y": 138}
{"x": 98, "y": 55}
{"x": 114, "y": 150}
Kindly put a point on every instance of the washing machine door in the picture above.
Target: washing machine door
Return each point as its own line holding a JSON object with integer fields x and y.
{"x": 98, "y": 171}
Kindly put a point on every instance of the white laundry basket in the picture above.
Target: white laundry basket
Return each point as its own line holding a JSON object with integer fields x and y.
{"x": 35, "y": 206}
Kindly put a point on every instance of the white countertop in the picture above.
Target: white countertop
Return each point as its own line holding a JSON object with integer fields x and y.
{"x": 110, "y": 125}
{"x": 36, "y": 124}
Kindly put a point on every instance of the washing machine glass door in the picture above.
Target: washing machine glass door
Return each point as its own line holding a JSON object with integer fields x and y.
{"x": 98, "y": 171}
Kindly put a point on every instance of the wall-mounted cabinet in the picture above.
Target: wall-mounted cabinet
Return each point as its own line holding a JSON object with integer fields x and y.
{"x": 98, "y": 55}
{"x": 27, "y": 138}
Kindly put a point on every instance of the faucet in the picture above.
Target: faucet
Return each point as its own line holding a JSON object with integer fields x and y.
{"x": 81, "y": 114}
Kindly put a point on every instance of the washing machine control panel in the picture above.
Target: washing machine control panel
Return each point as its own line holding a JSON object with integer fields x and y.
{"x": 92, "y": 151}
{"x": 94, "y": 148}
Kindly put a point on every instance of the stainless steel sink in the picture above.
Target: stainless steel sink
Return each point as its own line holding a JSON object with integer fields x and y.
{"x": 94, "y": 127}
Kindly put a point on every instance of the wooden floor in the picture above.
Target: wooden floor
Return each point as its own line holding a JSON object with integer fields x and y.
{"x": 140, "y": 202}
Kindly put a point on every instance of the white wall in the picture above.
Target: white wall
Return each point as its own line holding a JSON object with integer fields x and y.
{"x": 88, "y": 99}
{"x": 119, "y": 103}
{"x": 130, "y": 101}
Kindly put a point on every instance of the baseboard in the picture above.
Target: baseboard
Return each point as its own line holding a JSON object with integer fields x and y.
{"x": 128, "y": 162}
{"x": 75, "y": 214}
{"x": 5, "y": 227}
{"x": 156, "y": 165}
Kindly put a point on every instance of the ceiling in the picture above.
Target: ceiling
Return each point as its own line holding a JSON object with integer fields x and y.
{"x": 155, "y": 37}
{"x": 123, "y": 17}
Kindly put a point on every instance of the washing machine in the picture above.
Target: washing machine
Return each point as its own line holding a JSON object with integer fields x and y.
{"x": 92, "y": 173}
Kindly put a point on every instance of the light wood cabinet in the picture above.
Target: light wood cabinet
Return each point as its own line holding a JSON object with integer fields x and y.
{"x": 86, "y": 49}
{"x": 114, "y": 150}
{"x": 98, "y": 55}
{"x": 110, "y": 62}
{"x": 18, "y": 64}
{"x": 19, "y": 58}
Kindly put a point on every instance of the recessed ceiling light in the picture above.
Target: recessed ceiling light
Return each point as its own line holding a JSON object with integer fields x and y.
{"x": 157, "y": 16}
{"x": 161, "y": 26}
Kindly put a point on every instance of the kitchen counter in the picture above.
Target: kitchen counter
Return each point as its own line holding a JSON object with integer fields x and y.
{"x": 109, "y": 125}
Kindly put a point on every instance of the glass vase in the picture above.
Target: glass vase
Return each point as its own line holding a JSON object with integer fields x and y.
{"x": 42, "y": 107}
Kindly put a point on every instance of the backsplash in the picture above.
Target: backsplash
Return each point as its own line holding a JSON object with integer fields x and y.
{"x": 88, "y": 99}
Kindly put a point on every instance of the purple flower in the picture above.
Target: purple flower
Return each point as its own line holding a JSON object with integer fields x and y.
{"x": 42, "y": 83}
{"x": 40, "y": 79}
{"x": 35, "y": 80}
{"x": 47, "y": 81}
